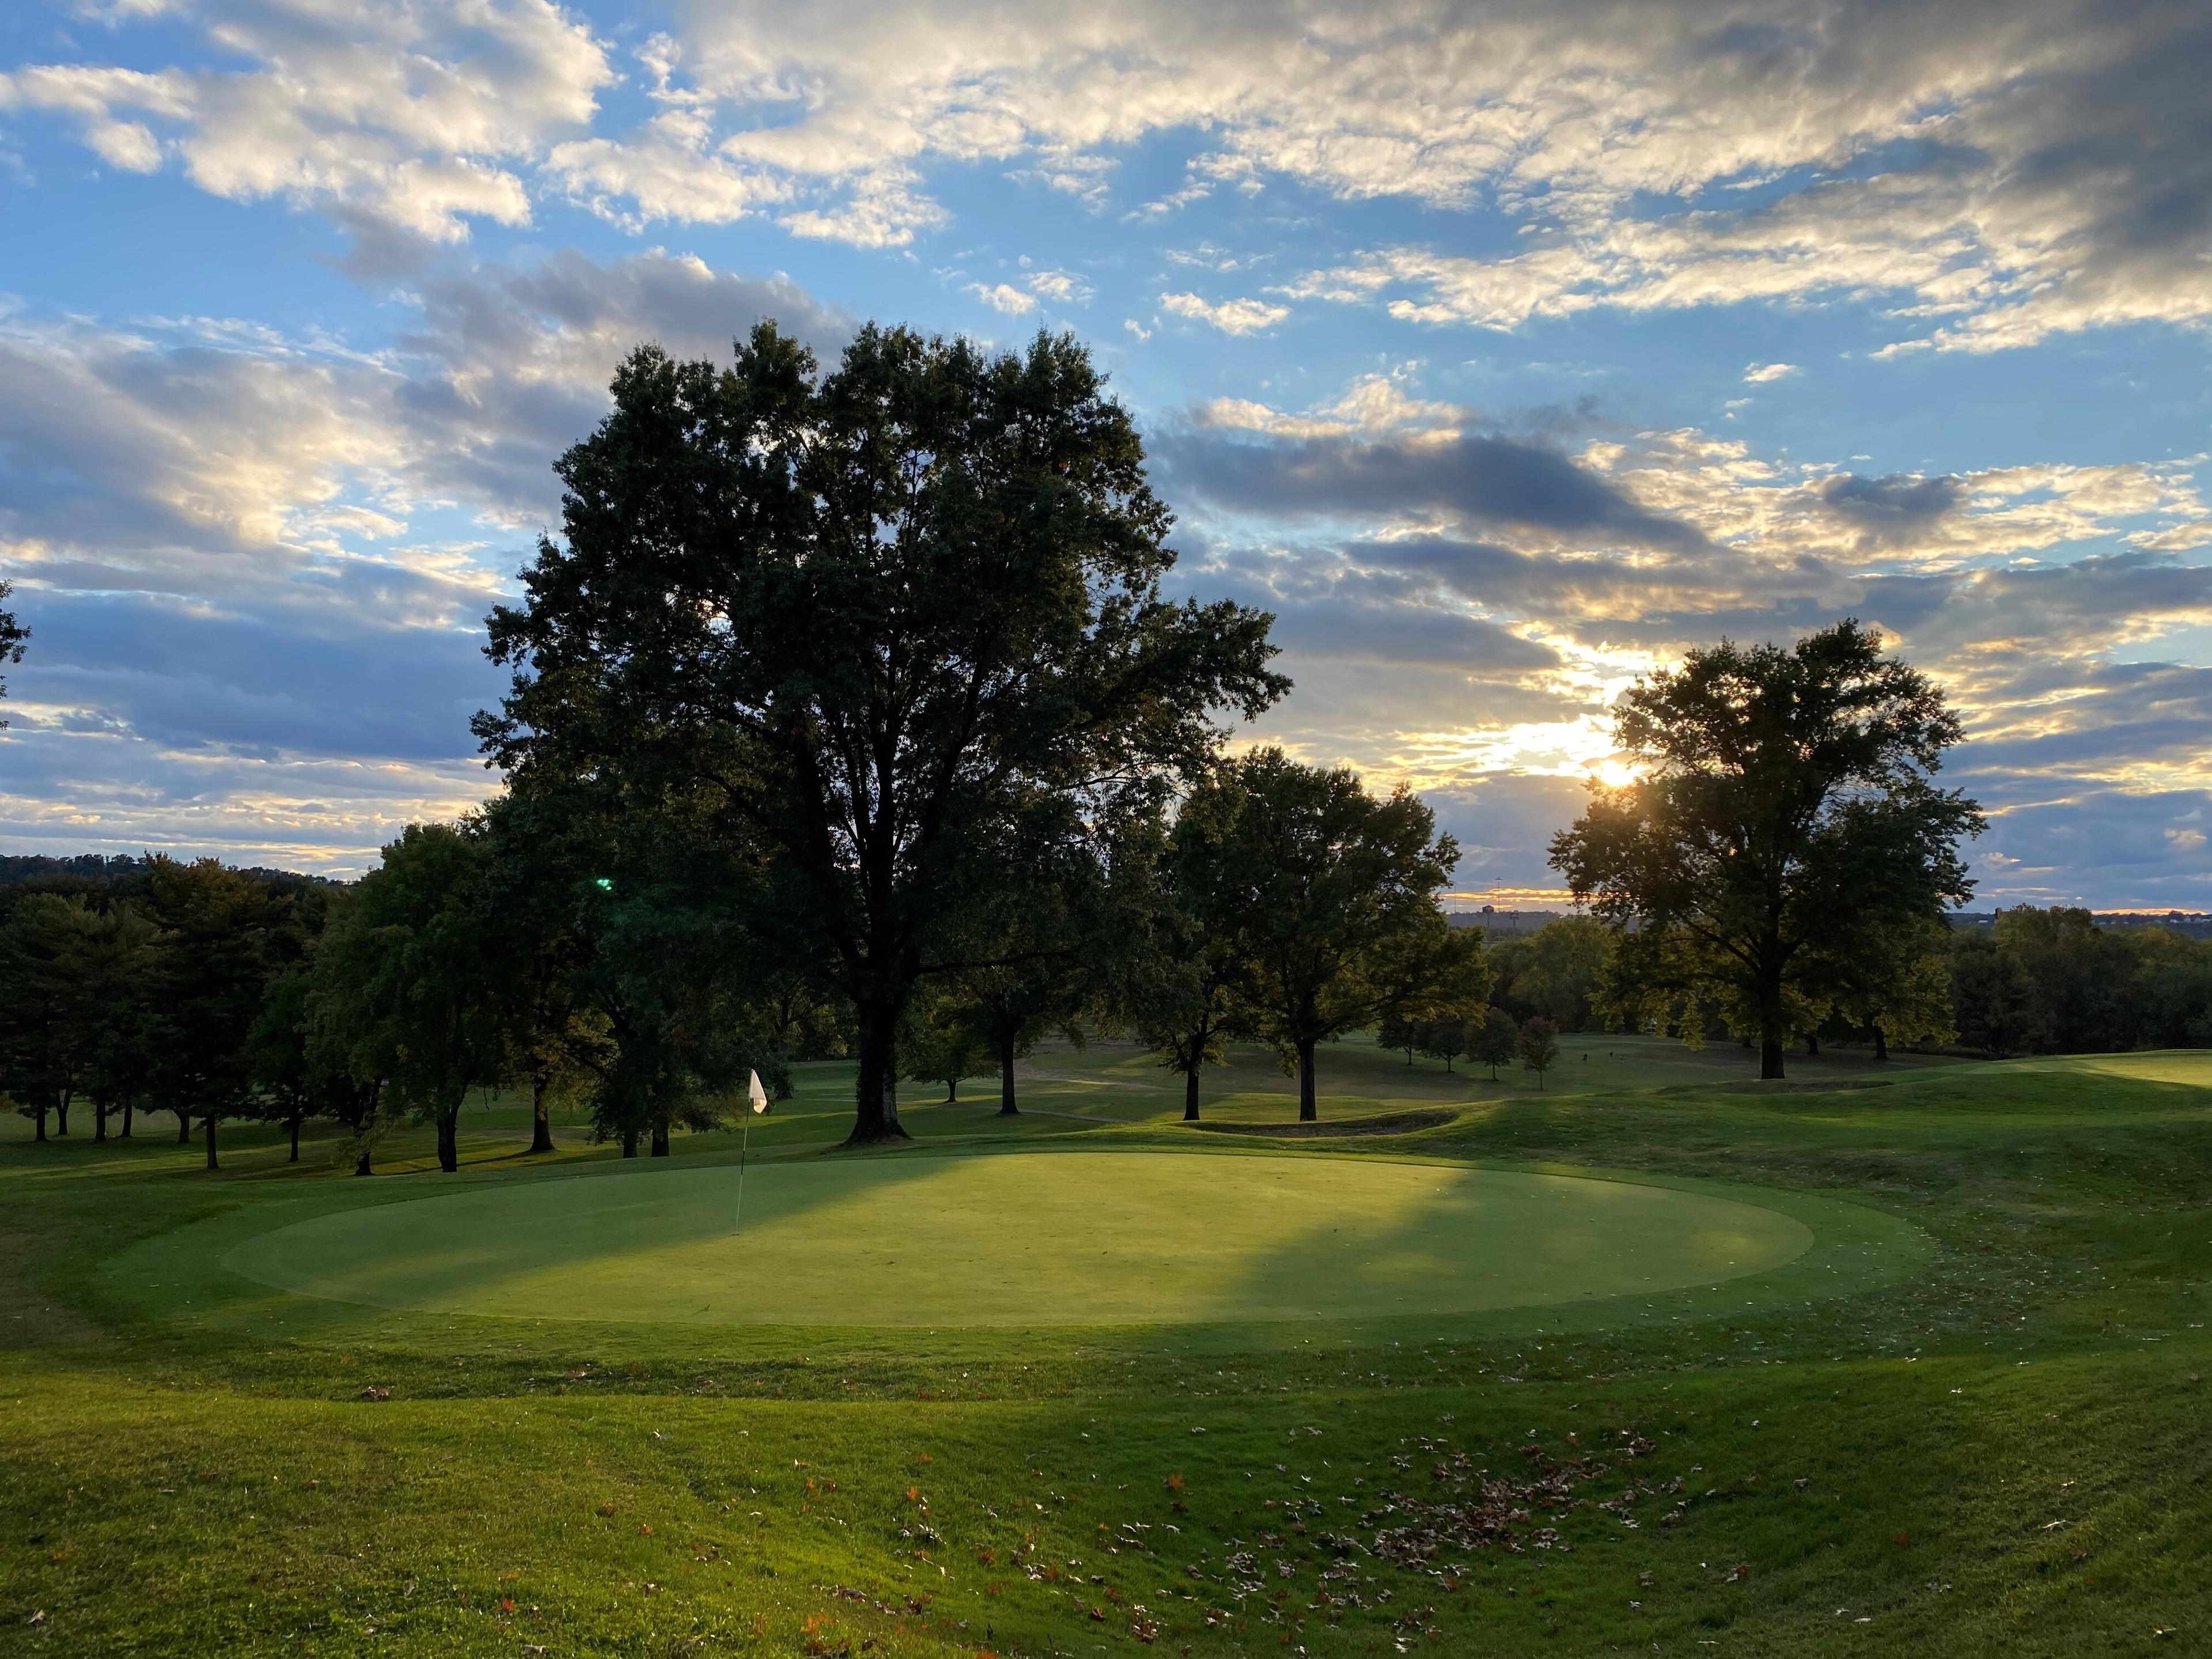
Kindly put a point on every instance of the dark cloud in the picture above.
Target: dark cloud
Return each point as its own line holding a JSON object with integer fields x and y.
{"x": 266, "y": 680}
{"x": 1889, "y": 512}
{"x": 1481, "y": 479}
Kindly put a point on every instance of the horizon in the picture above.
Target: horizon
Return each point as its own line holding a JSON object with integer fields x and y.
{"x": 1502, "y": 355}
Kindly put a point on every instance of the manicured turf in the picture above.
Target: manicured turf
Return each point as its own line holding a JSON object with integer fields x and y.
{"x": 1967, "y": 1418}
{"x": 1095, "y": 1238}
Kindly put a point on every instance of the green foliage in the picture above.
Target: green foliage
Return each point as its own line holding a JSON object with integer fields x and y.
{"x": 879, "y": 612}
{"x": 1539, "y": 1045}
{"x": 404, "y": 978}
{"x": 1333, "y": 895}
{"x": 1783, "y": 823}
{"x": 2053, "y": 982}
{"x": 1559, "y": 971}
{"x": 223, "y": 937}
{"x": 1495, "y": 1040}
{"x": 936, "y": 1045}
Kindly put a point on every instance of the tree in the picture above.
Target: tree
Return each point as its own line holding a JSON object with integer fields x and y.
{"x": 1895, "y": 982}
{"x": 1177, "y": 991}
{"x": 222, "y": 942}
{"x": 1784, "y": 803}
{"x": 1396, "y": 1030}
{"x": 1558, "y": 971}
{"x": 1540, "y": 1046}
{"x": 876, "y": 612}
{"x": 35, "y": 1053}
{"x": 407, "y": 977}
{"x": 1445, "y": 1038}
{"x": 120, "y": 956}
{"x": 1334, "y": 895}
{"x": 938, "y": 1046}
{"x": 13, "y": 635}
{"x": 1497, "y": 1039}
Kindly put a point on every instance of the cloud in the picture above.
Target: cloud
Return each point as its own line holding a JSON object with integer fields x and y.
{"x": 1760, "y": 374}
{"x": 1230, "y": 316}
{"x": 1002, "y": 297}
{"x": 422, "y": 116}
{"x": 1991, "y": 173}
{"x": 1353, "y": 464}
{"x": 235, "y": 544}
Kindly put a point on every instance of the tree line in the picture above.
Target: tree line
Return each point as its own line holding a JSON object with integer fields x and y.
{"x": 851, "y": 707}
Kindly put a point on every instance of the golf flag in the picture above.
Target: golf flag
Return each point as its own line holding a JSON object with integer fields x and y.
{"x": 756, "y": 1095}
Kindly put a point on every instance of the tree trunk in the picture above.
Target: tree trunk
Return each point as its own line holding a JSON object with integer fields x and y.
{"x": 660, "y": 1140}
{"x": 295, "y": 1158}
{"x": 1006, "y": 1106}
{"x": 1448, "y": 1063}
{"x": 952, "y": 1092}
{"x": 211, "y": 1162}
{"x": 361, "y": 1165}
{"x": 61, "y": 1114}
{"x": 183, "y": 1127}
{"x": 1812, "y": 1044}
{"x": 629, "y": 1143}
{"x": 449, "y": 1141}
{"x": 1880, "y": 1044}
{"x": 875, "y": 1095}
{"x": 99, "y": 1121}
{"x": 541, "y": 1118}
{"x": 39, "y": 1117}
{"x": 126, "y": 1117}
{"x": 1190, "y": 1095}
{"x": 1770, "y": 1057}
{"x": 1307, "y": 1111}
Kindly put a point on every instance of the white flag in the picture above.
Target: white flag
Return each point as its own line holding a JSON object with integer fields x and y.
{"x": 755, "y": 1094}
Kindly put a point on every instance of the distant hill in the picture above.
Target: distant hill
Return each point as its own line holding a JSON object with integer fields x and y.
{"x": 2194, "y": 924}
{"x": 100, "y": 870}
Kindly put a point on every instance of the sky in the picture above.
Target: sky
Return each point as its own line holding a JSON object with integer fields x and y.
{"x": 1503, "y": 351}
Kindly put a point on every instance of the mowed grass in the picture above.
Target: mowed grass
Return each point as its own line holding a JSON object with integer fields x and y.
{"x": 1975, "y": 1424}
{"x": 1074, "y": 1239}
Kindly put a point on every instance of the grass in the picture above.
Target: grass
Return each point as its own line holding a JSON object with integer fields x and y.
{"x": 1968, "y": 1417}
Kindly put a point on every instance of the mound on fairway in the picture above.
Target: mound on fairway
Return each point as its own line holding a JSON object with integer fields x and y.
{"x": 1068, "y": 1239}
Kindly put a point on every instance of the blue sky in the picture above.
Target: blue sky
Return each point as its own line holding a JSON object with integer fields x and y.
{"x": 1504, "y": 351}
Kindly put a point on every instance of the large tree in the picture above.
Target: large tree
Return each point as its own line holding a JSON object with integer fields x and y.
{"x": 1784, "y": 808}
{"x": 405, "y": 978}
{"x": 874, "y": 610}
{"x": 1335, "y": 896}
{"x": 224, "y": 935}
{"x": 1180, "y": 996}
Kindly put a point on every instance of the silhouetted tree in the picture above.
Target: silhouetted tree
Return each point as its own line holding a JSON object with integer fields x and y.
{"x": 875, "y": 611}
{"x": 1334, "y": 895}
{"x": 1784, "y": 804}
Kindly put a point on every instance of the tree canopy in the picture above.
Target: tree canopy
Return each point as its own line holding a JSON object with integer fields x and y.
{"x": 1335, "y": 897}
{"x": 1784, "y": 817}
{"x": 876, "y": 611}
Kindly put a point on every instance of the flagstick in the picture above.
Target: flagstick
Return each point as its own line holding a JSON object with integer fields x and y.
{"x": 744, "y": 1151}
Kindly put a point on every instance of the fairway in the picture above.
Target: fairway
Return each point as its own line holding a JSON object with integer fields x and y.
{"x": 1050, "y": 1239}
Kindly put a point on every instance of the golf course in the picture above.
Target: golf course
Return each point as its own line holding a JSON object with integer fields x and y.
{"x": 1654, "y": 1355}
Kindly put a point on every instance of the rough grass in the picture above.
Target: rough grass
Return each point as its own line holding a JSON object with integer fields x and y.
{"x": 2001, "y": 1453}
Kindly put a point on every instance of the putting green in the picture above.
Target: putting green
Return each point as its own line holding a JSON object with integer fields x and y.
{"x": 1050, "y": 1239}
